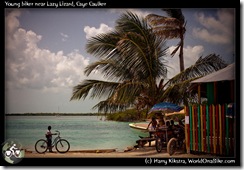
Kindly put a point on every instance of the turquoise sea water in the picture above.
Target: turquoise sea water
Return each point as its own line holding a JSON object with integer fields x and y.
{"x": 83, "y": 132}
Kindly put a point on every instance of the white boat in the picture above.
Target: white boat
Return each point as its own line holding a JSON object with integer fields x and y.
{"x": 140, "y": 126}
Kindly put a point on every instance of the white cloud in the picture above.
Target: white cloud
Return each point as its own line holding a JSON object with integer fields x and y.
{"x": 191, "y": 55}
{"x": 92, "y": 31}
{"x": 28, "y": 66}
{"x": 216, "y": 30}
{"x": 64, "y": 36}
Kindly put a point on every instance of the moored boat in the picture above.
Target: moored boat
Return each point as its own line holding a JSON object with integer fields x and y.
{"x": 140, "y": 126}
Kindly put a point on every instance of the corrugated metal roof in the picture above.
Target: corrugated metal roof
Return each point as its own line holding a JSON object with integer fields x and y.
{"x": 227, "y": 73}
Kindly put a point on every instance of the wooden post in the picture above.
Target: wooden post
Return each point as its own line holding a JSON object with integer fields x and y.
{"x": 187, "y": 129}
{"x": 202, "y": 125}
{"x": 196, "y": 129}
{"x": 217, "y": 127}
{"x": 191, "y": 128}
{"x": 214, "y": 131}
{"x": 199, "y": 93}
{"x": 208, "y": 129}
{"x": 199, "y": 126}
{"x": 211, "y": 127}
{"x": 223, "y": 129}
{"x": 220, "y": 130}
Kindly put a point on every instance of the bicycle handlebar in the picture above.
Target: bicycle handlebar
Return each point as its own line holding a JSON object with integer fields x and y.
{"x": 58, "y": 133}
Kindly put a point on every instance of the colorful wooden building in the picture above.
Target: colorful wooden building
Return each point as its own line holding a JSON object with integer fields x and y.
{"x": 211, "y": 127}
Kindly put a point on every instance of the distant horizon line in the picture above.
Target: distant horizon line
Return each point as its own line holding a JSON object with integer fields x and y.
{"x": 53, "y": 113}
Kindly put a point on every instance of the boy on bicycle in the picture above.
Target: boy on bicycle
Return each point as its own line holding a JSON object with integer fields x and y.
{"x": 49, "y": 138}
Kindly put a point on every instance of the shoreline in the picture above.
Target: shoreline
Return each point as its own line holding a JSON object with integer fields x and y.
{"x": 130, "y": 152}
{"x": 111, "y": 153}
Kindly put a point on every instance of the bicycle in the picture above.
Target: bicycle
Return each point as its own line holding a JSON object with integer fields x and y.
{"x": 176, "y": 142}
{"x": 163, "y": 136}
{"x": 61, "y": 145}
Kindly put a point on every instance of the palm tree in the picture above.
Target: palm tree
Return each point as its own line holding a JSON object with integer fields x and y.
{"x": 131, "y": 59}
{"x": 177, "y": 89}
{"x": 170, "y": 27}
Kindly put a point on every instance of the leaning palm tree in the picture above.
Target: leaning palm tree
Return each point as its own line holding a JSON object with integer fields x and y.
{"x": 131, "y": 59}
{"x": 170, "y": 27}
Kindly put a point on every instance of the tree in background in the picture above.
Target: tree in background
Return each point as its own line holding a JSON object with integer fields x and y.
{"x": 170, "y": 27}
{"x": 132, "y": 61}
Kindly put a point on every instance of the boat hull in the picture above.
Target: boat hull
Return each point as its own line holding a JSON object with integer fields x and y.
{"x": 139, "y": 126}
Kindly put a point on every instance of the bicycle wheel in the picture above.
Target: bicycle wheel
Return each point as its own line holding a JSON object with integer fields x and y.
{"x": 62, "y": 146}
{"x": 8, "y": 153}
{"x": 159, "y": 145}
{"x": 41, "y": 146}
{"x": 171, "y": 146}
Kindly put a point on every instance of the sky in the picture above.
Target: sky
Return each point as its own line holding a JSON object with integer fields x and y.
{"x": 45, "y": 52}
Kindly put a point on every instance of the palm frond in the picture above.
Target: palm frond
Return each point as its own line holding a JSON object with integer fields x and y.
{"x": 98, "y": 65}
{"x": 97, "y": 89}
{"x": 161, "y": 21}
{"x": 103, "y": 45}
{"x": 176, "y": 49}
{"x": 107, "y": 106}
{"x": 130, "y": 22}
{"x": 167, "y": 32}
{"x": 202, "y": 67}
{"x": 177, "y": 92}
{"x": 109, "y": 68}
{"x": 170, "y": 27}
{"x": 129, "y": 90}
{"x": 175, "y": 13}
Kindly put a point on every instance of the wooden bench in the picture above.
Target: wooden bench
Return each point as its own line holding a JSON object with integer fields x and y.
{"x": 141, "y": 142}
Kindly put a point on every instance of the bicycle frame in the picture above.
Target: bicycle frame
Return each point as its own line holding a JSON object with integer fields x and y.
{"x": 56, "y": 139}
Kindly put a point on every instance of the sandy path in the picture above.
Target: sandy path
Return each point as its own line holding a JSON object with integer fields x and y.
{"x": 110, "y": 153}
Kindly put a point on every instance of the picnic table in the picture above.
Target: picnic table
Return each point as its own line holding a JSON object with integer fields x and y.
{"x": 163, "y": 133}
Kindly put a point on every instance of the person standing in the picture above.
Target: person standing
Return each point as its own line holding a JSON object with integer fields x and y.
{"x": 49, "y": 138}
{"x": 153, "y": 124}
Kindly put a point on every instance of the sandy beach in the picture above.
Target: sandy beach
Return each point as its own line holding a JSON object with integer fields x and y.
{"x": 144, "y": 152}
{"x": 139, "y": 153}
{"x": 145, "y": 156}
